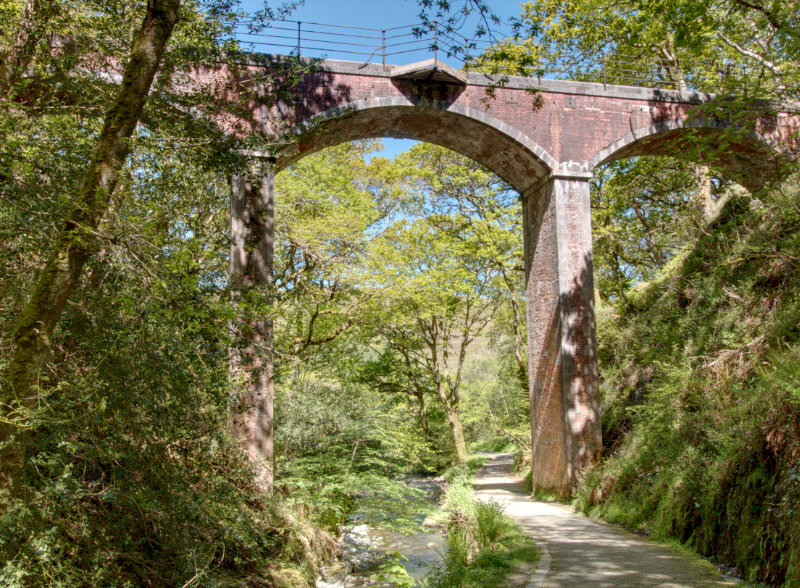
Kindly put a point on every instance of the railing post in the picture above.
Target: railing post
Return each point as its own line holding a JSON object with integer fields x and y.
{"x": 605, "y": 59}
{"x": 298, "y": 37}
{"x": 435, "y": 41}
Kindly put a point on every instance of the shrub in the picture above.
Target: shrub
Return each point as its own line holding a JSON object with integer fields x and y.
{"x": 489, "y": 523}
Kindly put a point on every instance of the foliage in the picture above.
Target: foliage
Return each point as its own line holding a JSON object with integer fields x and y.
{"x": 132, "y": 476}
{"x": 342, "y": 450}
{"x": 644, "y": 211}
{"x": 364, "y": 247}
{"x": 462, "y": 473}
{"x": 695, "y": 363}
{"x": 329, "y": 207}
{"x": 447, "y": 266}
{"x": 392, "y": 571}
{"x": 731, "y": 47}
{"x": 488, "y": 523}
{"x": 496, "y": 404}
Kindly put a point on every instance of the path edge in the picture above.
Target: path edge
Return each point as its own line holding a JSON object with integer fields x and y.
{"x": 542, "y": 567}
{"x": 539, "y": 574}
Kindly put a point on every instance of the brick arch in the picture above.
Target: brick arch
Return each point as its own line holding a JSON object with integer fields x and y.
{"x": 743, "y": 157}
{"x": 496, "y": 145}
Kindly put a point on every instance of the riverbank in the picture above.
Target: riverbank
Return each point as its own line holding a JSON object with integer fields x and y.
{"x": 467, "y": 541}
{"x": 484, "y": 547}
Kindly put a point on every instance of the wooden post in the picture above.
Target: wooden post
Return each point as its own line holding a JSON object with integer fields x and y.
{"x": 250, "y": 410}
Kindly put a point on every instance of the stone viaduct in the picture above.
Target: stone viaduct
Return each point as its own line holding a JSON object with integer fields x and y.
{"x": 543, "y": 137}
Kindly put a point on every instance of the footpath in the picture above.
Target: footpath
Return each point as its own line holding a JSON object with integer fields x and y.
{"x": 582, "y": 552}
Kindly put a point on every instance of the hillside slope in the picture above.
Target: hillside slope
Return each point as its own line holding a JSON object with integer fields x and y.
{"x": 701, "y": 396}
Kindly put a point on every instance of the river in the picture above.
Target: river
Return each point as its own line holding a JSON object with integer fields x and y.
{"x": 364, "y": 547}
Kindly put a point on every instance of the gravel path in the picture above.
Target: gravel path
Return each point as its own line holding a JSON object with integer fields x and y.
{"x": 582, "y": 552}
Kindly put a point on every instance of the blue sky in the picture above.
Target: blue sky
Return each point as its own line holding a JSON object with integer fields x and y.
{"x": 376, "y": 14}
{"x": 372, "y": 13}
{"x": 322, "y": 40}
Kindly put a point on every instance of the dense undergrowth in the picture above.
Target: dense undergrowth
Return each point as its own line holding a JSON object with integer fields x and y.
{"x": 701, "y": 394}
{"x": 133, "y": 480}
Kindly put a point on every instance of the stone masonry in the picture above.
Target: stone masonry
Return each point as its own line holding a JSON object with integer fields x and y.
{"x": 544, "y": 137}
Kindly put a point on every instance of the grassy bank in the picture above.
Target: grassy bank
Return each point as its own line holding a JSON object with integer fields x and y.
{"x": 484, "y": 548}
{"x": 701, "y": 396}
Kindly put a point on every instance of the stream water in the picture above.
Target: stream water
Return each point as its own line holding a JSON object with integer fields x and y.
{"x": 365, "y": 548}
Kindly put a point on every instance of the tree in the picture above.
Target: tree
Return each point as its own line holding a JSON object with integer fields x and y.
{"x": 441, "y": 274}
{"x": 724, "y": 46}
{"x": 18, "y": 54}
{"x": 123, "y": 421}
{"x": 77, "y": 239}
{"x": 442, "y": 180}
{"x": 396, "y": 370}
{"x": 330, "y": 206}
{"x": 134, "y": 401}
{"x": 644, "y": 209}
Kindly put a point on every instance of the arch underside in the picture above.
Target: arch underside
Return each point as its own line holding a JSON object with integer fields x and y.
{"x": 499, "y": 151}
{"x": 743, "y": 157}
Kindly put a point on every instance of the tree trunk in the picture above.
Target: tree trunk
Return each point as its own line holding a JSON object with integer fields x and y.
{"x": 705, "y": 188}
{"x": 423, "y": 417}
{"x": 705, "y": 191}
{"x": 77, "y": 239}
{"x": 250, "y": 413}
{"x": 519, "y": 357}
{"x": 458, "y": 433}
{"x": 652, "y": 246}
{"x": 451, "y": 410}
{"x": 447, "y": 389}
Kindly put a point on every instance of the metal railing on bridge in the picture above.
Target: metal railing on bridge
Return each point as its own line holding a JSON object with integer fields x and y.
{"x": 416, "y": 42}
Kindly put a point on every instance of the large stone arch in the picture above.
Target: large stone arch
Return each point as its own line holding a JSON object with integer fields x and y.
{"x": 743, "y": 157}
{"x": 506, "y": 151}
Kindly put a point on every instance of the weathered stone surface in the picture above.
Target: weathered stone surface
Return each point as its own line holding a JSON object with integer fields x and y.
{"x": 562, "y": 351}
{"x": 250, "y": 408}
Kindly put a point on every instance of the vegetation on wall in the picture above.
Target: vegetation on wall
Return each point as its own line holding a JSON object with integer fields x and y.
{"x": 700, "y": 395}
{"x": 697, "y": 280}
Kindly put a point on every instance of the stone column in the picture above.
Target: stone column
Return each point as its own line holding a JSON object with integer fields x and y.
{"x": 562, "y": 350}
{"x": 250, "y": 410}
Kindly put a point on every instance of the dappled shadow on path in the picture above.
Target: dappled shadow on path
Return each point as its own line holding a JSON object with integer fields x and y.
{"x": 495, "y": 474}
{"x": 586, "y": 552}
